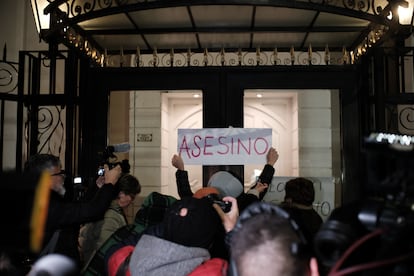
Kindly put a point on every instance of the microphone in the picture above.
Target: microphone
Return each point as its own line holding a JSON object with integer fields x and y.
{"x": 123, "y": 147}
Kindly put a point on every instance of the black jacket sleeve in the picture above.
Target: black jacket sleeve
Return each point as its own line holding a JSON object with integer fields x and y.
{"x": 267, "y": 174}
{"x": 245, "y": 200}
{"x": 265, "y": 177}
{"x": 183, "y": 185}
{"x": 63, "y": 213}
{"x": 90, "y": 192}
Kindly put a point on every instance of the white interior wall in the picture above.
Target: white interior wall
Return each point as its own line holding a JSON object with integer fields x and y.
{"x": 275, "y": 110}
{"x": 315, "y": 133}
{"x": 146, "y": 141}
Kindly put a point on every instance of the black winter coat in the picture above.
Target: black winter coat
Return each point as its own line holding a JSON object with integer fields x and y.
{"x": 67, "y": 216}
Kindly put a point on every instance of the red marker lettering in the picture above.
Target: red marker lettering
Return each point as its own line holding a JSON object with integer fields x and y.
{"x": 197, "y": 146}
{"x": 185, "y": 147}
{"x": 241, "y": 145}
{"x": 207, "y": 145}
{"x": 266, "y": 148}
{"x": 221, "y": 141}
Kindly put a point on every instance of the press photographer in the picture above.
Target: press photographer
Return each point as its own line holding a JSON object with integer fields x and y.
{"x": 107, "y": 157}
{"x": 373, "y": 236}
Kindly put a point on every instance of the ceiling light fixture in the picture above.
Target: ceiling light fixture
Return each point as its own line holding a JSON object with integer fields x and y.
{"x": 405, "y": 12}
{"x": 42, "y": 20}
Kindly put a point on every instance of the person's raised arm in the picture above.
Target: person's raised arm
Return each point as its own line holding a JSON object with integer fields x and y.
{"x": 177, "y": 162}
{"x": 269, "y": 170}
{"x": 181, "y": 176}
{"x": 265, "y": 178}
{"x": 68, "y": 213}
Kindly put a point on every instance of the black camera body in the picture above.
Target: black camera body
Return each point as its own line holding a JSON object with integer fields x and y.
{"x": 101, "y": 171}
{"x": 109, "y": 158}
{"x": 224, "y": 205}
{"x": 125, "y": 166}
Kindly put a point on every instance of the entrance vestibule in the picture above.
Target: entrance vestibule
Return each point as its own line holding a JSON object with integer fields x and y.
{"x": 223, "y": 97}
{"x": 304, "y": 123}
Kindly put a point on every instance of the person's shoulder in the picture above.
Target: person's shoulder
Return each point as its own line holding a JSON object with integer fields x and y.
{"x": 114, "y": 208}
{"x": 317, "y": 216}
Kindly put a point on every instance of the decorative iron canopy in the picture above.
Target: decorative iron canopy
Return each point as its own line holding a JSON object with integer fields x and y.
{"x": 97, "y": 27}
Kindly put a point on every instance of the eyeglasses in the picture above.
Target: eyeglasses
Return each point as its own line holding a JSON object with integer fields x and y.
{"x": 61, "y": 173}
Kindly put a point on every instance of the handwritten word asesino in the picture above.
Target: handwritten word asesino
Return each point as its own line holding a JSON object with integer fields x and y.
{"x": 196, "y": 146}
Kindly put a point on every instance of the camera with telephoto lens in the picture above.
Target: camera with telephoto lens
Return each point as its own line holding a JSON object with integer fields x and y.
{"x": 373, "y": 235}
{"x": 125, "y": 166}
{"x": 224, "y": 205}
{"x": 101, "y": 169}
{"x": 107, "y": 159}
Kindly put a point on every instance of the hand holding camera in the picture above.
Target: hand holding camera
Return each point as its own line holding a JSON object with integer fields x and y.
{"x": 229, "y": 219}
{"x": 125, "y": 166}
{"x": 224, "y": 205}
{"x": 112, "y": 175}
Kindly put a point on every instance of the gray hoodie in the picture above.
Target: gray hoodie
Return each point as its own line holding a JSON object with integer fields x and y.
{"x": 156, "y": 256}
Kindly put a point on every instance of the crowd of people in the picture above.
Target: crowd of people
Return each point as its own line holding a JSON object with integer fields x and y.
{"x": 220, "y": 229}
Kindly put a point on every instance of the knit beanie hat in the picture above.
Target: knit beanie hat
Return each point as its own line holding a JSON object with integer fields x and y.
{"x": 300, "y": 190}
{"x": 226, "y": 183}
{"x": 192, "y": 222}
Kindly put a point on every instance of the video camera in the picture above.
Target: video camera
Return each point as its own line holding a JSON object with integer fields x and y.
{"x": 109, "y": 158}
{"x": 373, "y": 236}
{"x": 125, "y": 166}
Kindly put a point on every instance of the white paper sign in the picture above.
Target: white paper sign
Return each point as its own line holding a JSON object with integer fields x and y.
{"x": 324, "y": 193}
{"x": 224, "y": 146}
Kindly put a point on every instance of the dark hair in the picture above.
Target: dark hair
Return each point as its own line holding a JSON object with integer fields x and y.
{"x": 300, "y": 190}
{"x": 129, "y": 184}
{"x": 266, "y": 229}
{"x": 39, "y": 162}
